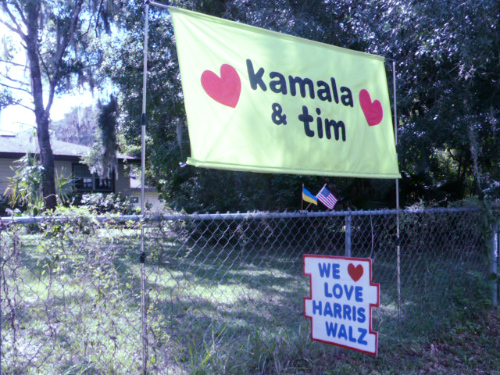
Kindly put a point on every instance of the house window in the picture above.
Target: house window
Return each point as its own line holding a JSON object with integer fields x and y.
{"x": 86, "y": 181}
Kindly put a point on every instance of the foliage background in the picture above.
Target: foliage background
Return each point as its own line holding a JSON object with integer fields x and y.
{"x": 447, "y": 71}
{"x": 446, "y": 55}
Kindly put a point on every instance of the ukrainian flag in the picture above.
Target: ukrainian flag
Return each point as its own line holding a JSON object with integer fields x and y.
{"x": 308, "y": 196}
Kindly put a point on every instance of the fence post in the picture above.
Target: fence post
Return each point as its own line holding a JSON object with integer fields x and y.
{"x": 143, "y": 308}
{"x": 398, "y": 265}
{"x": 348, "y": 234}
{"x": 494, "y": 261}
{"x": 143, "y": 187}
{"x": 1, "y": 312}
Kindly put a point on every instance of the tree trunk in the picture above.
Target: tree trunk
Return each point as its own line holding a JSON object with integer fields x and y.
{"x": 47, "y": 159}
{"x": 41, "y": 115}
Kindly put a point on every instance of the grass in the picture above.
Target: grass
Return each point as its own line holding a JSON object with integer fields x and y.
{"x": 71, "y": 304}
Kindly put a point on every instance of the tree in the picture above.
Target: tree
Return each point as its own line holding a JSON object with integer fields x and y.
{"x": 77, "y": 126}
{"x": 446, "y": 55}
{"x": 102, "y": 158}
{"x": 59, "y": 39}
{"x": 167, "y": 142}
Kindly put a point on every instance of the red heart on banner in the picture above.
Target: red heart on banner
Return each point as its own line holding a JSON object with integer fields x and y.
{"x": 355, "y": 272}
{"x": 225, "y": 89}
{"x": 372, "y": 110}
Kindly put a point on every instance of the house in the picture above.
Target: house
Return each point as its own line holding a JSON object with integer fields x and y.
{"x": 151, "y": 196}
{"x": 67, "y": 161}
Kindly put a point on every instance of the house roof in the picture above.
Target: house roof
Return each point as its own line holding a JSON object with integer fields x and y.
{"x": 16, "y": 146}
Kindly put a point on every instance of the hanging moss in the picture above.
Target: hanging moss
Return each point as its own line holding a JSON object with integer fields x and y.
{"x": 102, "y": 159}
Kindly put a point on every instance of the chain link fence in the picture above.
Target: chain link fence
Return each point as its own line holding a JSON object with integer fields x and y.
{"x": 221, "y": 293}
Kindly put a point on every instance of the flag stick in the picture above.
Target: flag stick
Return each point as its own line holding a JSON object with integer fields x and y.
{"x": 143, "y": 184}
{"x": 398, "y": 247}
{"x": 395, "y": 124}
{"x": 302, "y": 198}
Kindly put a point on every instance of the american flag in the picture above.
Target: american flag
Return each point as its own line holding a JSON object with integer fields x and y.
{"x": 327, "y": 198}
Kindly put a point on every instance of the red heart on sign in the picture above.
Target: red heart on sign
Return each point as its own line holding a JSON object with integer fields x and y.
{"x": 372, "y": 110}
{"x": 225, "y": 89}
{"x": 355, "y": 272}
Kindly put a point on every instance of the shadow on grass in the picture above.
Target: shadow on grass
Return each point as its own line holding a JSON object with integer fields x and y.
{"x": 232, "y": 306}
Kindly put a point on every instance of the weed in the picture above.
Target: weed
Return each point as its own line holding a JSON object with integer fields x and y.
{"x": 71, "y": 304}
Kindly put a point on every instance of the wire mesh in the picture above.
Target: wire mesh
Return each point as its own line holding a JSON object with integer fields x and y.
{"x": 216, "y": 285}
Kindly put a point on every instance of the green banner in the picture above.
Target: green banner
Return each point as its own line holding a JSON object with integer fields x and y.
{"x": 262, "y": 101}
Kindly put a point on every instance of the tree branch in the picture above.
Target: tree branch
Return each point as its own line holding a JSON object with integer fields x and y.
{"x": 22, "y": 105}
{"x": 20, "y": 11}
{"x": 16, "y": 29}
{"x": 6, "y": 76}
{"x": 13, "y": 29}
{"x": 15, "y": 88}
{"x": 45, "y": 67}
{"x": 97, "y": 17}
{"x": 61, "y": 49}
{"x": 52, "y": 91}
{"x": 12, "y": 63}
{"x": 21, "y": 83}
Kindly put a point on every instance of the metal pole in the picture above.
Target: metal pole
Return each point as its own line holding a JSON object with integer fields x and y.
{"x": 143, "y": 116}
{"x": 143, "y": 168}
{"x": 1, "y": 312}
{"x": 494, "y": 262}
{"x": 395, "y": 102}
{"x": 348, "y": 235}
{"x": 395, "y": 124}
{"x": 158, "y": 4}
{"x": 398, "y": 247}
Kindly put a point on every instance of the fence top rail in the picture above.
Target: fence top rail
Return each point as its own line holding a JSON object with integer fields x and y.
{"x": 226, "y": 216}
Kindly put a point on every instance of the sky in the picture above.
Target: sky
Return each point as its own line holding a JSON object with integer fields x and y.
{"x": 16, "y": 118}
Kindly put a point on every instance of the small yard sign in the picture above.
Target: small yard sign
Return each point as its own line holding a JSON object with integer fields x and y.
{"x": 341, "y": 300}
